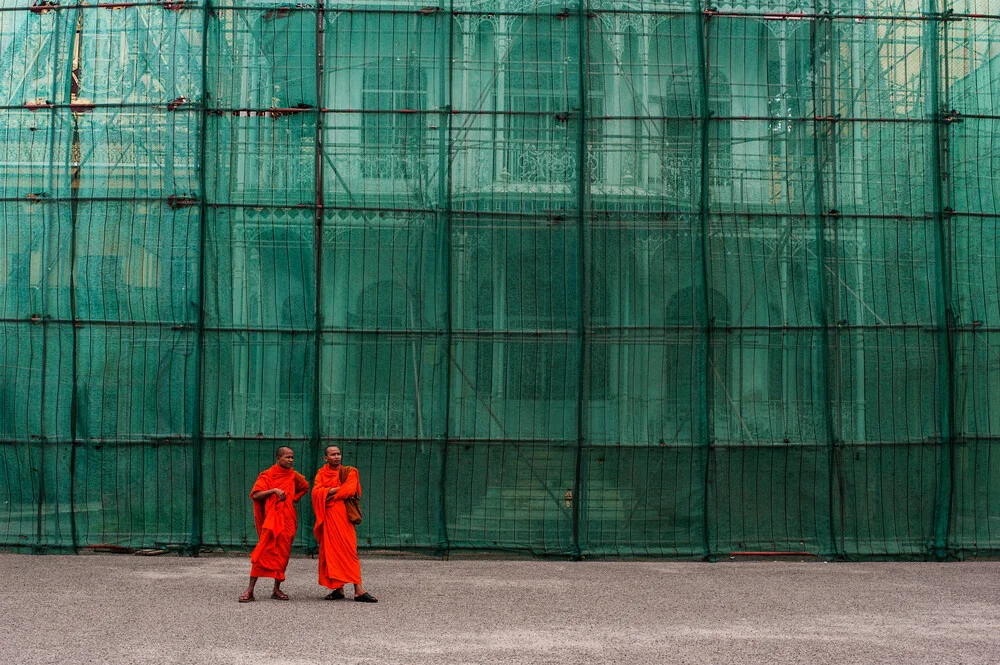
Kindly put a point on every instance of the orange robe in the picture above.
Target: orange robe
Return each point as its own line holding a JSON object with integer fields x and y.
{"x": 337, "y": 537}
{"x": 276, "y": 521}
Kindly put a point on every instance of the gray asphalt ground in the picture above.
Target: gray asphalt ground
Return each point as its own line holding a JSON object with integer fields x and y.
{"x": 128, "y": 609}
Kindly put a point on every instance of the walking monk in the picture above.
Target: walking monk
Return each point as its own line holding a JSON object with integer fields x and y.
{"x": 337, "y": 538}
{"x": 274, "y": 495}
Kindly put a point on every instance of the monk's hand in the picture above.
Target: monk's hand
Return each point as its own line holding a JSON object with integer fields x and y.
{"x": 280, "y": 493}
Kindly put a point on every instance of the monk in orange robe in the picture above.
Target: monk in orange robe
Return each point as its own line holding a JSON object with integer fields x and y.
{"x": 274, "y": 495}
{"x": 337, "y": 537}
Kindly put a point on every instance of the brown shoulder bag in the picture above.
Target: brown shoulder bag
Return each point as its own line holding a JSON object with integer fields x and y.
{"x": 352, "y": 503}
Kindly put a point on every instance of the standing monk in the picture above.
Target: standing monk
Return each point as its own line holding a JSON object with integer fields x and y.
{"x": 337, "y": 537}
{"x": 273, "y": 496}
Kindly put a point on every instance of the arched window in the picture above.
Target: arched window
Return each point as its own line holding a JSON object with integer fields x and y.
{"x": 392, "y": 141}
{"x": 542, "y": 92}
{"x": 287, "y": 41}
{"x": 283, "y": 301}
{"x": 676, "y": 136}
{"x": 720, "y": 131}
{"x": 686, "y": 309}
{"x": 674, "y": 90}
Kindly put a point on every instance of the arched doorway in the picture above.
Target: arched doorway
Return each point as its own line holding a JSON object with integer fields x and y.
{"x": 281, "y": 299}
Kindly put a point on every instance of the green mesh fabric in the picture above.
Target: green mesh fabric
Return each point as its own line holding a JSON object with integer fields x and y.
{"x": 634, "y": 279}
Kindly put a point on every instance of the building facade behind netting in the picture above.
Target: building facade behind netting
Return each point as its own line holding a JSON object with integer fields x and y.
{"x": 616, "y": 278}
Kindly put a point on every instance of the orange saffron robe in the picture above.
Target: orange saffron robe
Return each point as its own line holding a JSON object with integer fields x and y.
{"x": 337, "y": 537}
{"x": 276, "y": 521}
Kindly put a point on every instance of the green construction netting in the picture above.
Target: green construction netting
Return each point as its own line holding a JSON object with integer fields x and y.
{"x": 652, "y": 278}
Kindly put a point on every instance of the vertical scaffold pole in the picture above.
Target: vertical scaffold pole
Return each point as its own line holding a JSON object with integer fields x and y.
{"x": 51, "y": 187}
{"x": 73, "y": 154}
{"x": 316, "y": 435}
{"x": 934, "y": 33}
{"x": 444, "y": 226}
{"x": 197, "y": 439}
{"x": 820, "y": 49}
{"x": 704, "y": 427}
{"x": 583, "y": 187}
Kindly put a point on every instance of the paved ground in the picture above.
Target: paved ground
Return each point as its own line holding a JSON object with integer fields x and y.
{"x": 127, "y": 609}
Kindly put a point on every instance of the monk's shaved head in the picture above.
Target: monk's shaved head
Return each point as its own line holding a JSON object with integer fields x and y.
{"x": 327, "y": 449}
{"x": 285, "y": 457}
{"x": 332, "y": 456}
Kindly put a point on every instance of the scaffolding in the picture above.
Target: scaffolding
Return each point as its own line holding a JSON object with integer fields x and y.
{"x": 632, "y": 279}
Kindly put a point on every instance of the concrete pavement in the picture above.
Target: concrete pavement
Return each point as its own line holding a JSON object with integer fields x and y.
{"x": 128, "y": 609}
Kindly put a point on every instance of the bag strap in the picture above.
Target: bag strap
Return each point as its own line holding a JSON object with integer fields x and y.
{"x": 344, "y": 472}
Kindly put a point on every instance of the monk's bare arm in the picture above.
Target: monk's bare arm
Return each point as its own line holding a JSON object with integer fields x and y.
{"x": 263, "y": 494}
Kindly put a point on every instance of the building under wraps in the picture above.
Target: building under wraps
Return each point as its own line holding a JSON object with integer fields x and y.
{"x": 654, "y": 278}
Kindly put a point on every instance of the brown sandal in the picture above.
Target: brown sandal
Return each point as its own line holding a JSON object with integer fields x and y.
{"x": 278, "y": 594}
{"x": 247, "y": 597}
